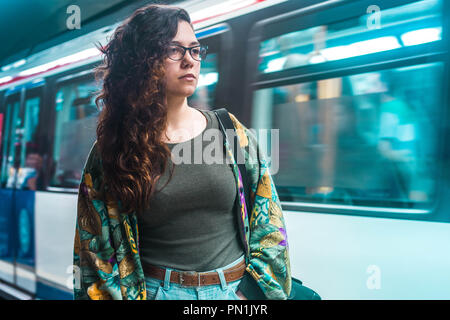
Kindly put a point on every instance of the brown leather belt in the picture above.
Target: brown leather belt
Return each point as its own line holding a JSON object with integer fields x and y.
{"x": 195, "y": 279}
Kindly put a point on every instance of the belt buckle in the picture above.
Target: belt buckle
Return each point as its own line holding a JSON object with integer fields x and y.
{"x": 181, "y": 278}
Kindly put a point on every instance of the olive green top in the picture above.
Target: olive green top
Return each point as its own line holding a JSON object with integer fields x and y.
{"x": 190, "y": 224}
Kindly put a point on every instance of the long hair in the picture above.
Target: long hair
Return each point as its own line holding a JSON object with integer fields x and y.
{"x": 131, "y": 101}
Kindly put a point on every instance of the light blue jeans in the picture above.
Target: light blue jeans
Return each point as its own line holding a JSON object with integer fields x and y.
{"x": 166, "y": 290}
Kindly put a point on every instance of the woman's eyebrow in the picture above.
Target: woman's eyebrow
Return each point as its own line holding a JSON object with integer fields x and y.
{"x": 191, "y": 44}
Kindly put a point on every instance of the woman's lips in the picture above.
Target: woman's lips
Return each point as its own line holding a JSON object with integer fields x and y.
{"x": 188, "y": 78}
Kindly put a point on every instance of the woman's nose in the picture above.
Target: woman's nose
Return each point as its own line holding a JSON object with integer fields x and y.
{"x": 187, "y": 59}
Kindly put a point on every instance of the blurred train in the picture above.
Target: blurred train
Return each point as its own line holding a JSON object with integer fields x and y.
{"x": 359, "y": 93}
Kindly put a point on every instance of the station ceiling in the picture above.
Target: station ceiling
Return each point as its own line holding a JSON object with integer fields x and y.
{"x": 26, "y": 24}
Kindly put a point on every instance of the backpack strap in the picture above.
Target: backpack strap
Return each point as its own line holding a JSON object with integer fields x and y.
{"x": 225, "y": 122}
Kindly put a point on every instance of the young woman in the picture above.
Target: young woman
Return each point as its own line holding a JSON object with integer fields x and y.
{"x": 196, "y": 237}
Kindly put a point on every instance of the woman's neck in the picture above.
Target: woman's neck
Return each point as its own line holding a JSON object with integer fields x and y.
{"x": 178, "y": 111}
{"x": 180, "y": 120}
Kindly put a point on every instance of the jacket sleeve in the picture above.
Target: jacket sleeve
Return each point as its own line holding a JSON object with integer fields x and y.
{"x": 269, "y": 264}
{"x": 96, "y": 275}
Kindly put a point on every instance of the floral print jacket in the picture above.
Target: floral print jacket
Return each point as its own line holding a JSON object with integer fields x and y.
{"x": 106, "y": 247}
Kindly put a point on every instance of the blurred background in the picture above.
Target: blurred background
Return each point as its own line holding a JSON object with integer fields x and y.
{"x": 356, "y": 90}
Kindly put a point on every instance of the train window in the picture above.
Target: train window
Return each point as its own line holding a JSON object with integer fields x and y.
{"x": 23, "y": 165}
{"x": 213, "y": 68}
{"x": 399, "y": 27}
{"x": 76, "y": 117}
{"x": 366, "y": 139}
{"x": 204, "y": 96}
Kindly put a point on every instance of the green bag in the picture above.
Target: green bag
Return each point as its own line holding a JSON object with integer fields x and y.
{"x": 300, "y": 292}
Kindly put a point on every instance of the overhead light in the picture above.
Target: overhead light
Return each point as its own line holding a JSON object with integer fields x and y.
{"x": 317, "y": 58}
{"x": 14, "y": 65}
{"x": 374, "y": 45}
{"x": 361, "y": 48}
{"x": 220, "y": 9}
{"x": 275, "y": 65}
{"x": 420, "y": 36}
{"x": 342, "y": 52}
{"x": 335, "y": 53}
{"x": 19, "y": 63}
{"x": 5, "y": 79}
{"x": 85, "y": 54}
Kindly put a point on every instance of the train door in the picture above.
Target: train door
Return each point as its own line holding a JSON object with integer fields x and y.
{"x": 71, "y": 125}
{"x": 21, "y": 176}
{"x": 11, "y": 108}
{"x": 359, "y": 105}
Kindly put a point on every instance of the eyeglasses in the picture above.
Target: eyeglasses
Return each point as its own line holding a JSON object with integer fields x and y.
{"x": 177, "y": 52}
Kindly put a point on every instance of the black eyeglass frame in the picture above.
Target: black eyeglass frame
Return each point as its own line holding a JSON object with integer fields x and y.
{"x": 190, "y": 52}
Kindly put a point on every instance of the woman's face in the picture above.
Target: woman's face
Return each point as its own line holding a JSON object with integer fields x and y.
{"x": 174, "y": 70}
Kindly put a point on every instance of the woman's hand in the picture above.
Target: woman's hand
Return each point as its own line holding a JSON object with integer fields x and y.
{"x": 240, "y": 295}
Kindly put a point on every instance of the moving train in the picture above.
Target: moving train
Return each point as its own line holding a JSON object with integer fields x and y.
{"x": 359, "y": 93}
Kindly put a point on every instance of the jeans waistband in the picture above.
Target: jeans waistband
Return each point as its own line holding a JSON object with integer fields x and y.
{"x": 168, "y": 275}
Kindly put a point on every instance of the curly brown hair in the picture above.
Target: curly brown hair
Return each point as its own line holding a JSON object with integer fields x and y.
{"x": 133, "y": 112}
